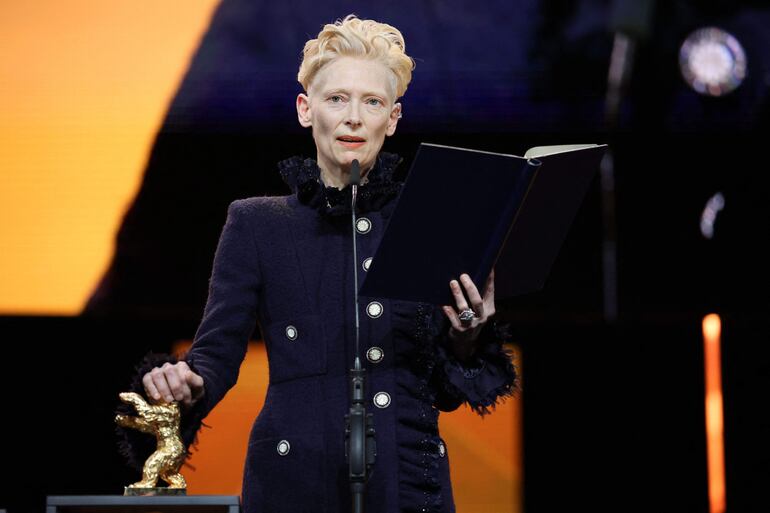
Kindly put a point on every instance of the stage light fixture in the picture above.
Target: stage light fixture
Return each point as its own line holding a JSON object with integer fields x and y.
{"x": 712, "y": 61}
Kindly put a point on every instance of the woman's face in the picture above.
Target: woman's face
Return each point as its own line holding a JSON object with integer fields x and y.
{"x": 351, "y": 107}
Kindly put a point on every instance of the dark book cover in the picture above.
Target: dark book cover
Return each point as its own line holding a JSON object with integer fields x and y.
{"x": 493, "y": 210}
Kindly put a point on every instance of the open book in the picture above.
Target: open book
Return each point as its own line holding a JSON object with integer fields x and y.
{"x": 465, "y": 211}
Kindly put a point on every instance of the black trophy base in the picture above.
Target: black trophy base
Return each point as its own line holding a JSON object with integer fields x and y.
{"x": 143, "y": 504}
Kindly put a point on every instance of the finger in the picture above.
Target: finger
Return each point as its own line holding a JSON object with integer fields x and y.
{"x": 150, "y": 388}
{"x": 176, "y": 383}
{"x": 196, "y": 384}
{"x": 473, "y": 295}
{"x": 194, "y": 380}
{"x": 489, "y": 288}
{"x": 184, "y": 384}
{"x": 489, "y": 295}
{"x": 457, "y": 292}
{"x": 453, "y": 318}
{"x": 185, "y": 376}
{"x": 159, "y": 380}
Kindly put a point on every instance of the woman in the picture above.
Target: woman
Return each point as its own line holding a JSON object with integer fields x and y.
{"x": 285, "y": 262}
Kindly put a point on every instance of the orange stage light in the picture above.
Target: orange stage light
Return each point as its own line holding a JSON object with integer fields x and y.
{"x": 712, "y": 330}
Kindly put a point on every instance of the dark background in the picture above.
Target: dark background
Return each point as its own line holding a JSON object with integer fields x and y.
{"x": 614, "y": 416}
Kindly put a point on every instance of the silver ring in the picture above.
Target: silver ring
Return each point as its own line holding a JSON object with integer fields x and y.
{"x": 467, "y": 315}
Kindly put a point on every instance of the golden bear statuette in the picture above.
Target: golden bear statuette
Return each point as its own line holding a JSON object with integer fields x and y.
{"x": 161, "y": 420}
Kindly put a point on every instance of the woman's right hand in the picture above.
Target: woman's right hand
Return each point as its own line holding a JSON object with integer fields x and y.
{"x": 173, "y": 382}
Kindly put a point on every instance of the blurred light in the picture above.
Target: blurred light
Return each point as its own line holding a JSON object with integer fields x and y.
{"x": 709, "y": 215}
{"x": 712, "y": 61}
{"x": 712, "y": 331}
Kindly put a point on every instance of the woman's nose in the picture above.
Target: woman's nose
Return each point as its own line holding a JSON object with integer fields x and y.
{"x": 353, "y": 114}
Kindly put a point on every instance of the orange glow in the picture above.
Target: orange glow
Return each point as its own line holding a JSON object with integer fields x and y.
{"x": 85, "y": 88}
{"x": 712, "y": 328}
{"x": 485, "y": 454}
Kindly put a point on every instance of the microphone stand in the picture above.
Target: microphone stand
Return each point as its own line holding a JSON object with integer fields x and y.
{"x": 360, "y": 445}
{"x": 630, "y": 20}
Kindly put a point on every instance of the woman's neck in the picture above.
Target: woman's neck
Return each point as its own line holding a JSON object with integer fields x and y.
{"x": 340, "y": 179}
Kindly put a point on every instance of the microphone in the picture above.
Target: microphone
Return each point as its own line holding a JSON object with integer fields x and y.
{"x": 355, "y": 173}
{"x": 360, "y": 443}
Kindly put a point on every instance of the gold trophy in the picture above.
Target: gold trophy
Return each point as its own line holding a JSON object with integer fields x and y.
{"x": 161, "y": 420}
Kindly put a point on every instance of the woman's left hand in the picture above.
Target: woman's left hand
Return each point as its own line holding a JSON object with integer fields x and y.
{"x": 464, "y": 333}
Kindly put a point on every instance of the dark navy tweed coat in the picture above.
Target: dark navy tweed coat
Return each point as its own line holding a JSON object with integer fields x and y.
{"x": 285, "y": 262}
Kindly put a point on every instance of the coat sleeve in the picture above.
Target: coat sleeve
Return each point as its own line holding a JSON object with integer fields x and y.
{"x": 230, "y": 315}
{"x": 485, "y": 380}
{"x": 221, "y": 340}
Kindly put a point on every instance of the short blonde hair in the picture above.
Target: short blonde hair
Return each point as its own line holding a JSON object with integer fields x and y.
{"x": 354, "y": 37}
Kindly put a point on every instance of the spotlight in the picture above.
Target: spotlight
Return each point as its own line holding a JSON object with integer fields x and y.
{"x": 712, "y": 61}
{"x": 709, "y": 215}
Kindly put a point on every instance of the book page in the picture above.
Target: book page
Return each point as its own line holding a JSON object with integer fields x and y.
{"x": 540, "y": 151}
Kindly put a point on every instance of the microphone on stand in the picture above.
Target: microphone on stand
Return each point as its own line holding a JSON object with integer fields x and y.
{"x": 360, "y": 445}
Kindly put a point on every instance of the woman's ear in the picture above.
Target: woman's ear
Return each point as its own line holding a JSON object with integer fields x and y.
{"x": 303, "y": 110}
{"x": 395, "y": 115}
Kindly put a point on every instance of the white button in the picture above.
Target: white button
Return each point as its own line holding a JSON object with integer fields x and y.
{"x": 283, "y": 447}
{"x": 363, "y": 225}
{"x": 441, "y": 449}
{"x": 374, "y": 354}
{"x": 291, "y": 332}
{"x": 367, "y": 263}
{"x": 382, "y": 399}
{"x": 374, "y": 309}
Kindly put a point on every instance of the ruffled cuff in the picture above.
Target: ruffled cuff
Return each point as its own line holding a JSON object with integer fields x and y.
{"x": 486, "y": 379}
{"x": 136, "y": 446}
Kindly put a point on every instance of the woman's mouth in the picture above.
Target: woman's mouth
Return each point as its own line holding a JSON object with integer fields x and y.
{"x": 351, "y": 142}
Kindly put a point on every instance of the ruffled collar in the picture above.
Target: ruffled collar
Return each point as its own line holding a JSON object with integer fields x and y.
{"x": 303, "y": 176}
